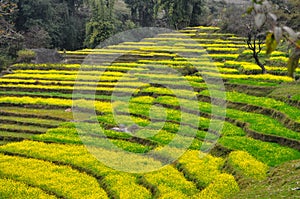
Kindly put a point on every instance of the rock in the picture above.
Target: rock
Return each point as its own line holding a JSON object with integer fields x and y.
{"x": 122, "y": 128}
{"x": 46, "y": 56}
{"x": 69, "y": 110}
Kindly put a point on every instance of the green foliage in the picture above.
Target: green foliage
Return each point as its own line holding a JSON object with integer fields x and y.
{"x": 179, "y": 14}
{"x": 97, "y": 31}
{"x": 271, "y": 43}
{"x": 101, "y": 23}
{"x": 271, "y": 154}
{"x": 58, "y": 23}
{"x": 183, "y": 13}
{"x": 5, "y": 61}
{"x": 26, "y": 56}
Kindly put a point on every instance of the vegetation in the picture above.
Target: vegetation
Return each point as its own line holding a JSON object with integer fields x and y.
{"x": 156, "y": 107}
{"x": 278, "y": 32}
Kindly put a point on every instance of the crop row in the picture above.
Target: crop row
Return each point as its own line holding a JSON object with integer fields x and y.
{"x": 263, "y": 52}
{"x": 118, "y": 183}
{"x": 247, "y": 166}
{"x": 61, "y": 180}
{"x": 54, "y": 114}
{"x": 266, "y": 102}
{"x": 259, "y": 123}
{"x": 176, "y": 116}
{"x": 251, "y": 82}
{"x": 201, "y": 170}
{"x": 68, "y": 77}
{"x": 14, "y": 189}
{"x": 72, "y": 83}
{"x": 248, "y": 67}
{"x": 204, "y": 41}
{"x": 170, "y": 183}
{"x": 31, "y": 129}
{"x": 30, "y": 121}
{"x": 122, "y": 67}
{"x": 265, "y": 77}
{"x": 99, "y": 106}
{"x": 61, "y": 72}
{"x": 271, "y": 154}
{"x": 179, "y": 47}
{"x": 69, "y": 88}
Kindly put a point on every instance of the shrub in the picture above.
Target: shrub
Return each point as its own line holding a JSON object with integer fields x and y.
{"x": 26, "y": 56}
{"x": 4, "y": 61}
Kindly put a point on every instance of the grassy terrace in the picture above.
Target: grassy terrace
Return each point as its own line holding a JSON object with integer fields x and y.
{"x": 38, "y": 135}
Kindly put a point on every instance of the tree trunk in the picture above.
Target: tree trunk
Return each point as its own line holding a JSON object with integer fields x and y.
{"x": 263, "y": 69}
{"x": 293, "y": 62}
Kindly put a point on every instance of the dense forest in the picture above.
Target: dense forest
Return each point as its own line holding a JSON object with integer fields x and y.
{"x": 75, "y": 24}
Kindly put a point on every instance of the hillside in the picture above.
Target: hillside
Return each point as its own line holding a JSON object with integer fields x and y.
{"x": 210, "y": 125}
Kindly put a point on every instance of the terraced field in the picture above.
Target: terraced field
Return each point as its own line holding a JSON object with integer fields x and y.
{"x": 170, "y": 87}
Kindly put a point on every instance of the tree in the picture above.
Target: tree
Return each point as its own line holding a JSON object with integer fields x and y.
{"x": 143, "y": 12}
{"x": 254, "y": 43}
{"x": 62, "y": 20}
{"x": 101, "y": 24}
{"x": 183, "y": 13}
{"x": 262, "y": 11}
{"x": 7, "y": 15}
{"x": 237, "y": 23}
{"x": 179, "y": 13}
{"x": 10, "y": 39}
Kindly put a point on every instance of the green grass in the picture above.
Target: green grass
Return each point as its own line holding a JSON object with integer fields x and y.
{"x": 279, "y": 184}
{"x": 290, "y": 111}
{"x": 33, "y": 121}
{"x": 16, "y": 135}
{"x": 271, "y": 154}
{"x": 25, "y": 128}
{"x": 251, "y": 82}
{"x": 56, "y": 113}
{"x": 56, "y": 94}
{"x": 67, "y": 168}
{"x": 287, "y": 91}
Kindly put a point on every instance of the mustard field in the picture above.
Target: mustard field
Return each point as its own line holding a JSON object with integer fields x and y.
{"x": 209, "y": 124}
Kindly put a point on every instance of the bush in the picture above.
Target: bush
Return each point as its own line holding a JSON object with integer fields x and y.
{"x": 5, "y": 61}
{"x": 26, "y": 56}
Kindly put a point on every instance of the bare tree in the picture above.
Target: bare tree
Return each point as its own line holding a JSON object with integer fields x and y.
{"x": 278, "y": 32}
{"x": 255, "y": 40}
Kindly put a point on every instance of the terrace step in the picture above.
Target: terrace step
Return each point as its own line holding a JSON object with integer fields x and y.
{"x": 3, "y": 142}
{"x": 295, "y": 144}
{"x": 259, "y": 91}
{"x": 30, "y": 129}
{"x": 89, "y": 165}
{"x": 10, "y": 136}
{"x": 277, "y": 115}
{"x": 29, "y": 166}
{"x": 31, "y": 112}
